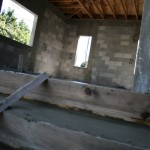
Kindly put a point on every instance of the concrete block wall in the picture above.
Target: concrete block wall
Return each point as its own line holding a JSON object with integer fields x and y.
{"x": 50, "y": 44}
{"x": 112, "y": 55}
{"x": 67, "y": 69}
{"x": 116, "y": 45}
{"x": 9, "y": 57}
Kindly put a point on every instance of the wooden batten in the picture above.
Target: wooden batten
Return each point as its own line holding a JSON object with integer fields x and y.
{"x": 104, "y": 8}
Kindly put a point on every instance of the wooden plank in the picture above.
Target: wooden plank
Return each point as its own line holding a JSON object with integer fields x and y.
{"x": 79, "y": 14}
{"x": 85, "y": 8}
{"x": 68, "y": 6}
{"x": 112, "y": 10}
{"x": 115, "y": 104}
{"x": 99, "y": 11}
{"x": 100, "y": 4}
{"x": 75, "y": 13}
{"x": 60, "y": 1}
{"x": 14, "y": 97}
{"x": 124, "y": 9}
{"x": 135, "y": 7}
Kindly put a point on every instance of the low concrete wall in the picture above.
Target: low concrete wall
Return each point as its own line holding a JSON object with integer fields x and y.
{"x": 22, "y": 134}
{"x": 99, "y": 100}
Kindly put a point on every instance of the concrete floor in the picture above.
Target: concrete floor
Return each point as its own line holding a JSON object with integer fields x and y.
{"x": 5, "y": 147}
{"x": 115, "y": 130}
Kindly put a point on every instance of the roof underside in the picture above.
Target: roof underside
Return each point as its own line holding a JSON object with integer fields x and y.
{"x": 100, "y": 9}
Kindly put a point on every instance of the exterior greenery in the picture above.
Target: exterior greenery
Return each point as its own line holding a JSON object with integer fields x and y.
{"x": 83, "y": 65}
{"x": 10, "y": 27}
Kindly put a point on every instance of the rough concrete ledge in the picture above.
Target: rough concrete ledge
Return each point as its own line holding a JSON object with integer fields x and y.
{"x": 103, "y": 101}
{"x": 21, "y": 133}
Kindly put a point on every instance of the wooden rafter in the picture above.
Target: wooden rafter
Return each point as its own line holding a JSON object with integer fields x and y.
{"x": 135, "y": 7}
{"x": 68, "y": 6}
{"x": 124, "y": 9}
{"x": 112, "y": 10}
{"x": 85, "y": 8}
{"x": 67, "y": 11}
{"x": 76, "y": 12}
{"x": 60, "y": 1}
{"x": 97, "y": 8}
{"x": 100, "y": 2}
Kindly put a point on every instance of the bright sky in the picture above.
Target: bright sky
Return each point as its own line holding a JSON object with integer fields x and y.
{"x": 20, "y": 12}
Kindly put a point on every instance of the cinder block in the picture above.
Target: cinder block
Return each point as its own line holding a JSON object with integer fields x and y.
{"x": 29, "y": 54}
{"x": 57, "y": 63}
{"x": 122, "y": 55}
{"x": 102, "y": 28}
{"x": 117, "y": 80}
{"x": 112, "y": 66}
{"x": 129, "y": 56}
{"x": 118, "y": 63}
{"x": 94, "y": 69}
{"x": 103, "y": 46}
{"x": 119, "y": 55}
{"x": 102, "y": 53}
{"x": 105, "y": 58}
{"x": 93, "y": 77}
{"x": 100, "y": 41}
{"x": 9, "y": 48}
{"x": 72, "y": 34}
{"x": 108, "y": 75}
{"x": 125, "y": 37}
{"x": 38, "y": 57}
{"x": 107, "y": 62}
{"x": 124, "y": 43}
{"x": 100, "y": 36}
{"x": 60, "y": 36}
{"x": 67, "y": 69}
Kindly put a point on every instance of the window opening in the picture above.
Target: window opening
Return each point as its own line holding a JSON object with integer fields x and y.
{"x": 83, "y": 51}
{"x": 17, "y": 22}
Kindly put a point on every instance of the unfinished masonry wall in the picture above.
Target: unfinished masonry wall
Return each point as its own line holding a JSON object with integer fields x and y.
{"x": 113, "y": 50}
{"x": 112, "y": 56}
{"x": 50, "y": 44}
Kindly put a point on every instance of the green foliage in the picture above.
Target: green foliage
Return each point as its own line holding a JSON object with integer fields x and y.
{"x": 11, "y": 28}
{"x": 83, "y": 65}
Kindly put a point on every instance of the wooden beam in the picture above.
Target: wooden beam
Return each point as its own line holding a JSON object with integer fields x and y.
{"x": 112, "y": 10}
{"x": 85, "y": 8}
{"x": 135, "y": 7}
{"x": 99, "y": 11}
{"x": 76, "y": 12}
{"x": 66, "y": 11}
{"x": 68, "y": 6}
{"x": 79, "y": 14}
{"x": 124, "y": 9}
{"x": 100, "y": 2}
{"x": 61, "y": 1}
{"x": 14, "y": 97}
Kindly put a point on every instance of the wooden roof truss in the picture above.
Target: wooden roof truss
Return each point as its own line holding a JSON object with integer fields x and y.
{"x": 100, "y": 9}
